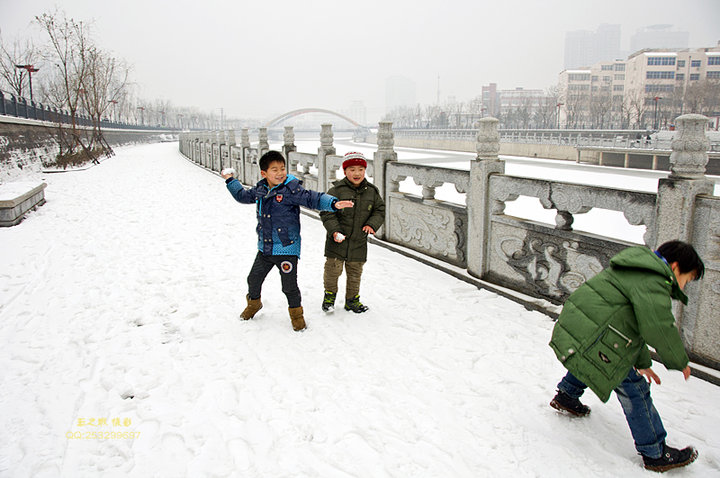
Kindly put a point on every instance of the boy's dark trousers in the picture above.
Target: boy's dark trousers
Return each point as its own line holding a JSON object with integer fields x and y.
{"x": 287, "y": 265}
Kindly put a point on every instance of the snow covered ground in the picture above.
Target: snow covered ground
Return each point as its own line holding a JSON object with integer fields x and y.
{"x": 122, "y": 354}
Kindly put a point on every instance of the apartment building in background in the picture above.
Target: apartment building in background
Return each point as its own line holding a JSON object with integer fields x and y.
{"x": 648, "y": 89}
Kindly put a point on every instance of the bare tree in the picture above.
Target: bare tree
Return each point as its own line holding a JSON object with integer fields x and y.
{"x": 600, "y": 107}
{"x": 702, "y": 97}
{"x": 637, "y": 106}
{"x": 576, "y": 107}
{"x": 68, "y": 50}
{"x": 104, "y": 83}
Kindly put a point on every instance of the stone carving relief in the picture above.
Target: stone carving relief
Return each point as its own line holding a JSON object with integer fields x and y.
{"x": 289, "y": 136}
{"x": 326, "y": 138}
{"x": 427, "y": 228}
{"x": 689, "y": 148}
{"x": 488, "y": 138}
{"x": 385, "y": 136}
{"x": 548, "y": 265}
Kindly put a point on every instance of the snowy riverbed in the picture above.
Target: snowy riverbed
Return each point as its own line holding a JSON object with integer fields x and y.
{"x": 123, "y": 355}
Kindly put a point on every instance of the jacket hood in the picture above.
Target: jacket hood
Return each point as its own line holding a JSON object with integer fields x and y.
{"x": 643, "y": 258}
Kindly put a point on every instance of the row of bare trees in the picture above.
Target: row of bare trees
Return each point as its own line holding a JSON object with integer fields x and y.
{"x": 526, "y": 113}
{"x": 638, "y": 109}
{"x": 77, "y": 77}
{"x": 70, "y": 73}
{"x": 602, "y": 109}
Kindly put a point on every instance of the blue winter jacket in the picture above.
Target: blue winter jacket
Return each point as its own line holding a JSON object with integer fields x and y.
{"x": 278, "y": 212}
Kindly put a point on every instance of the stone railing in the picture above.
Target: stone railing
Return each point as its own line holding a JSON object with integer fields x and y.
{"x": 540, "y": 260}
{"x": 572, "y": 137}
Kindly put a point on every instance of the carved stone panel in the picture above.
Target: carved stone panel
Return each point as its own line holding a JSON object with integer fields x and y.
{"x": 544, "y": 262}
{"x": 701, "y": 318}
{"x": 437, "y": 231}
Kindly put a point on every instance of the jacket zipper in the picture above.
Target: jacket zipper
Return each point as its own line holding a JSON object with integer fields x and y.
{"x": 629, "y": 341}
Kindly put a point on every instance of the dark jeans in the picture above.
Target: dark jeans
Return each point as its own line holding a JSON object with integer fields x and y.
{"x": 287, "y": 265}
{"x": 642, "y": 417}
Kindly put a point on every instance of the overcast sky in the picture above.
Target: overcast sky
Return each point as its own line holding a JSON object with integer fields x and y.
{"x": 262, "y": 58}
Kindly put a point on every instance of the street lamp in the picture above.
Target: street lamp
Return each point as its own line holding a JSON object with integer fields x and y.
{"x": 30, "y": 69}
{"x": 558, "y": 114}
{"x": 655, "y": 123}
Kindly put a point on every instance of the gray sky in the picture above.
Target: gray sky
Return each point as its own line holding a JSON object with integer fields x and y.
{"x": 262, "y": 58}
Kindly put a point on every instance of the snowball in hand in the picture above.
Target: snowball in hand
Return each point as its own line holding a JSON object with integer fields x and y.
{"x": 228, "y": 171}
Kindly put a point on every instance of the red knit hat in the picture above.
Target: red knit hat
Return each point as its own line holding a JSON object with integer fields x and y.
{"x": 354, "y": 159}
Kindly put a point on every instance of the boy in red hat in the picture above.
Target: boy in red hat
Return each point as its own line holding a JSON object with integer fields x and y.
{"x": 347, "y": 232}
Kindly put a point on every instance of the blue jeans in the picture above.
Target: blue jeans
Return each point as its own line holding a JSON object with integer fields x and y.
{"x": 642, "y": 417}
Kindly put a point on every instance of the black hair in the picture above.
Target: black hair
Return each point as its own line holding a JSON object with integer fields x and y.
{"x": 685, "y": 255}
{"x": 270, "y": 157}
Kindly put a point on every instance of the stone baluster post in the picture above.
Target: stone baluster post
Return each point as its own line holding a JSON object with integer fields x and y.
{"x": 384, "y": 154}
{"x": 289, "y": 145}
{"x": 263, "y": 146}
{"x": 478, "y": 201}
{"x": 245, "y": 145}
{"x": 326, "y": 148}
{"x": 207, "y": 146}
{"x": 675, "y": 206}
{"x": 230, "y": 137}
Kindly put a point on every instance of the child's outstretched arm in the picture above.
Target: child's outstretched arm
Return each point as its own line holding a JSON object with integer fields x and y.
{"x": 241, "y": 195}
{"x": 317, "y": 200}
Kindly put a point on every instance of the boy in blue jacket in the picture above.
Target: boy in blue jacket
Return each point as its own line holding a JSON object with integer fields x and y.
{"x": 278, "y": 198}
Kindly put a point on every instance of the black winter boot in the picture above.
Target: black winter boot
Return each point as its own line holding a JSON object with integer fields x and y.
{"x": 671, "y": 458}
{"x": 355, "y": 305}
{"x": 328, "y": 304}
{"x": 565, "y": 403}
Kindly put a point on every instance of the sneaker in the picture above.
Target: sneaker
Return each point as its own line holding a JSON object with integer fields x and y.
{"x": 328, "y": 304}
{"x": 355, "y": 305}
{"x": 565, "y": 403}
{"x": 671, "y": 458}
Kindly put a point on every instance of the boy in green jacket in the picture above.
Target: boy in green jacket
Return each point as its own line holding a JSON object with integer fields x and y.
{"x": 602, "y": 337}
{"x": 347, "y": 232}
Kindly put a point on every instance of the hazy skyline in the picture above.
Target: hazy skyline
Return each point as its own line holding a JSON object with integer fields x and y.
{"x": 260, "y": 59}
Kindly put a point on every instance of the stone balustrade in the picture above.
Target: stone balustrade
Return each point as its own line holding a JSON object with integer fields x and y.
{"x": 540, "y": 260}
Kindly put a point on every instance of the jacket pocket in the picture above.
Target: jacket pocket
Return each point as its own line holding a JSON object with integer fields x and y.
{"x": 608, "y": 352}
{"x": 284, "y": 236}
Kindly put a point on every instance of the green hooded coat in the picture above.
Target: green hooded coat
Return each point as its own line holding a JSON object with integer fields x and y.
{"x": 606, "y": 325}
{"x": 368, "y": 210}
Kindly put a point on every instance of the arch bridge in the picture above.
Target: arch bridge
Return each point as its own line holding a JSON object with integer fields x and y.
{"x": 291, "y": 114}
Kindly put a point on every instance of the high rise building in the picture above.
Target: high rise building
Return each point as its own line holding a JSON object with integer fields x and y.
{"x": 357, "y": 111}
{"x": 584, "y": 48}
{"x": 399, "y": 91}
{"x": 490, "y": 100}
{"x": 659, "y": 36}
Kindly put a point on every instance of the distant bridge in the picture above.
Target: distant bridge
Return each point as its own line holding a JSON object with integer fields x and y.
{"x": 293, "y": 113}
